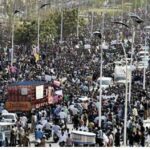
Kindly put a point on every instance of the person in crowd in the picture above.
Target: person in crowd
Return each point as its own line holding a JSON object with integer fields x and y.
{"x": 69, "y": 141}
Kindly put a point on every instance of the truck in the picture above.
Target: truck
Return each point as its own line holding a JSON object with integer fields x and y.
{"x": 27, "y": 95}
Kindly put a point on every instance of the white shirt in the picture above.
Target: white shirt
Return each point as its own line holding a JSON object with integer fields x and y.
{"x": 84, "y": 128}
{"x": 43, "y": 122}
{"x": 23, "y": 120}
{"x": 105, "y": 139}
{"x": 62, "y": 115}
{"x": 56, "y": 129}
{"x": 62, "y": 138}
{"x": 39, "y": 126}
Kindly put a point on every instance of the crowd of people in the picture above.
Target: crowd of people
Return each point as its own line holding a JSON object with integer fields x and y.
{"x": 80, "y": 67}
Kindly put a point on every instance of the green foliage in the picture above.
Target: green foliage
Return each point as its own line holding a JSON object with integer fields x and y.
{"x": 26, "y": 33}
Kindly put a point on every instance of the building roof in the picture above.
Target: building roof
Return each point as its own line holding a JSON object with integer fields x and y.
{"x": 27, "y": 83}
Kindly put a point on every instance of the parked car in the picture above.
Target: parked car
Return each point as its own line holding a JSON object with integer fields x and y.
{"x": 9, "y": 117}
{"x": 5, "y": 130}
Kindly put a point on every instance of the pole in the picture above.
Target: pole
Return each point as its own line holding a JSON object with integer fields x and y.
{"x": 122, "y": 10}
{"x": 101, "y": 75}
{"x": 100, "y": 94}
{"x": 132, "y": 51}
{"x": 144, "y": 76}
{"x": 126, "y": 100}
{"x": 38, "y": 36}
{"x": 146, "y": 9}
{"x": 114, "y": 10}
{"x": 12, "y": 41}
{"x": 92, "y": 20}
{"x": 61, "y": 32}
{"x": 78, "y": 23}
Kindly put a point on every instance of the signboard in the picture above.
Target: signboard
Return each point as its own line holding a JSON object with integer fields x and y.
{"x": 18, "y": 106}
{"x": 24, "y": 91}
{"x": 40, "y": 104}
{"x": 39, "y": 92}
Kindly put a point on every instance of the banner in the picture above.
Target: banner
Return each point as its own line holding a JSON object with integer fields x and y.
{"x": 50, "y": 95}
{"x": 39, "y": 92}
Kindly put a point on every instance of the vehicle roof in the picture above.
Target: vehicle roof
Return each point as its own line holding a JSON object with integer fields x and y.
{"x": 105, "y": 78}
{"x": 6, "y": 123}
{"x": 141, "y": 52}
{"x": 9, "y": 114}
{"x": 27, "y": 83}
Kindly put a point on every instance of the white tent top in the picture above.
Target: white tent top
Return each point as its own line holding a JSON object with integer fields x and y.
{"x": 85, "y": 98}
{"x": 83, "y": 133}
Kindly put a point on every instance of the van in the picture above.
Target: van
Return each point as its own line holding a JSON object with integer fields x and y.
{"x": 142, "y": 54}
{"x": 5, "y": 130}
{"x": 120, "y": 74}
{"x": 106, "y": 82}
{"x": 9, "y": 117}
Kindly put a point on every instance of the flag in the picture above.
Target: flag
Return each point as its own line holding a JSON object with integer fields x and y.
{"x": 37, "y": 57}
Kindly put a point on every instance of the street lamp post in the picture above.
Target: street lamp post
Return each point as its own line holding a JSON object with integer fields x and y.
{"x": 38, "y": 21}
{"x": 62, "y": 22}
{"x": 126, "y": 99}
{"x": 99, "y": 35}
{"x": 138, "y": 20}
{"x": 12, "y": 37}
{"x": 12, "y": 42}
{"x": 61, "y": 30}
{"x": 144, "y": 71}
{"x": 126, "y": 89}
{"x": 78, "y": 11}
